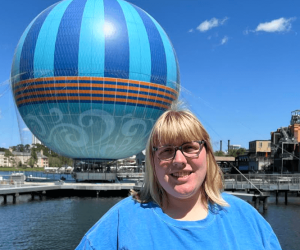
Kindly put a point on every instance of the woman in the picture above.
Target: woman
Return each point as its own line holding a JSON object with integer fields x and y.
{"x": 181, "y": 205}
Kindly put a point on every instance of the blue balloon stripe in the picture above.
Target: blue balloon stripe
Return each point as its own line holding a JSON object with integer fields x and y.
{"x": 15, "y": 77}
{"x": 178, "y": 73}
{"x": 139, "y": 47}
{"x": 170, "y": 56}
{"x": 116, "y": 41}
{"x": 67, "y": 41}
{"x": 158, "y": 55}
{"x": 28, "y": 49}
{"x": 103, "y": 102}
{"x": 45, "y": 46}
{"x": 92, "y": 40}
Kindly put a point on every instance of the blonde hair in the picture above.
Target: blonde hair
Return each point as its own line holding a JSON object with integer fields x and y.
{"x": 176, "y": 127}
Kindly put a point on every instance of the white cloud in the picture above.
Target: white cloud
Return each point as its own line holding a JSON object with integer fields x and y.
{"x": 224, "y": 40}
{"x": 191, "y": 30}
{"x": 278, "y": 25}
{"x": 26, "y": 129}
{"x": 212, "y": 23}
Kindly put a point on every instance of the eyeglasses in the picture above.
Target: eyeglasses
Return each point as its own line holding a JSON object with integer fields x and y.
{"x": 188, "y": 149}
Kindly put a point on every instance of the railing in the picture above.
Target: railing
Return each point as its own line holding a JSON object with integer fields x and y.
{"x": 262, "y": 181}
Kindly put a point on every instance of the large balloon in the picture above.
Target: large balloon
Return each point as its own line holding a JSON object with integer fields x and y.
{"x": 90, "y": 77}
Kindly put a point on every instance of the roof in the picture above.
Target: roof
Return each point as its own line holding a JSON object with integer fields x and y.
{"x": 260, "y": 140}
{"x": 224, "y": 158}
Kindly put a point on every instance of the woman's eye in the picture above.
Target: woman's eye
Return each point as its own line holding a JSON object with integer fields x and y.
{"x": 167, "y": 150}
{"x": 189, "y": 148}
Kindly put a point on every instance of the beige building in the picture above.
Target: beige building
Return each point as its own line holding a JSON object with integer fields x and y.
{"x": 259, "y": 154}
{"x": 260, "y": 146}
{"x": 22, "y": 157}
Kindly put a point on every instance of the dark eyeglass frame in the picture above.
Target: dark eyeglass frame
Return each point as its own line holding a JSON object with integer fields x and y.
{"x": 202, "y": 142}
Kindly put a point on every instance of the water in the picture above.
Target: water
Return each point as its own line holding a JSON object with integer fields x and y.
{"x": 60, "y": 223}
{"x": 50, "y": 224}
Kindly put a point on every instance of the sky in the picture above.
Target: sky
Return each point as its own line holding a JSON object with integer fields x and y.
{"x": 239, "y": 63}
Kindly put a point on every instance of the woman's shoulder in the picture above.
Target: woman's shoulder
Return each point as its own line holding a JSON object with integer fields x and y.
{"x": 236, "y": 202}
{"x": 127, "y": 207}
{"x": 240, "y": 210}
{"x": 126, "y": 203}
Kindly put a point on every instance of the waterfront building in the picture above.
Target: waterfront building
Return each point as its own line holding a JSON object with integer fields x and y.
{"x": 23, "y": 157}
{"x": 285, "y": 146}
{"x": 259, "y": 155}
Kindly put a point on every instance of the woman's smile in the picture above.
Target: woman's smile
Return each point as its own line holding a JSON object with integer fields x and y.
{"x": 181, "y": 177}
{"x": 181, "y": 174}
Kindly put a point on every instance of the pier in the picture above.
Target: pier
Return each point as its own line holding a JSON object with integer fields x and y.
{"x": 42, "y": 188}
{"x": 262, "y": 185}
{"x": 259, "y": 187}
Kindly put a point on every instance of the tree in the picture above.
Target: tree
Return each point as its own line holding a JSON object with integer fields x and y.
{"x": 20, "y": 148}
{"x": 9, "y": 155}
{"x": 236, "y": 152}
{"x": 54, "y": 162}
{"x": 27, "y": 147}
{"x": 219, "y": 153}
{"x": 65, "y": 160}
{"x": 31, "y": 162}
{"x": 34, "y": 155}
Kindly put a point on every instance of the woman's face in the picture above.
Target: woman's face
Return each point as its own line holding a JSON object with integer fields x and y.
{"x": 182, "y": 177}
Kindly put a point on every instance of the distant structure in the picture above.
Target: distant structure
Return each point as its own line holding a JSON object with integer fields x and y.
{"x": 23, "y": 157}
{"x": 234, "y": 147}
{"x": 258, "y": 157}
{"x": 285, "y": 146}
{"x": 259, "y": 154}
{"x": 35, "y": 140}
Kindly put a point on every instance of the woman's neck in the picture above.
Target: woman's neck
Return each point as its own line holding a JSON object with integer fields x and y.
{"x": 191, "y": 209}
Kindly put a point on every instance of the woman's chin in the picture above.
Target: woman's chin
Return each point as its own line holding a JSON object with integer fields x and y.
{"x": 181, "y": 193}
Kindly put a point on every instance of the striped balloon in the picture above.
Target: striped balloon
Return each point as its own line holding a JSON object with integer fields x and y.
{"x": 90, "y": 77}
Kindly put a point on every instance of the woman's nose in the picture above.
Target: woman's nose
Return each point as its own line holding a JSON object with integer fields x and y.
{"x": 179, "y": 158}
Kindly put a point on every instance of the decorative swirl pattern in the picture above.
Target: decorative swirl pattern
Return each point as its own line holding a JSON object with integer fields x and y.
{"x": 35, "y": 125}
{"x": 94, "y": 133}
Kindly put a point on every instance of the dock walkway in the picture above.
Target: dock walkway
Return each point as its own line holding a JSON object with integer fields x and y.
{"x": 59, "y": 185}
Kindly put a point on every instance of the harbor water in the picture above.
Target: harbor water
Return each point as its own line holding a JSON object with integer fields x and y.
{"x": 61, "y": 222}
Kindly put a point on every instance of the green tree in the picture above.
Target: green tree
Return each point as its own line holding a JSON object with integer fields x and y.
{"x": 8, "y": 153}
{"x": 236, "y": 152}
{"x": 54, "y": 162}
{"x": 31, "y": 162}
{"x": 219, "y": 153}
{"x": 27, "y": 147}
{"x": 20, "y": 148}
{"x": 34, "y": 155}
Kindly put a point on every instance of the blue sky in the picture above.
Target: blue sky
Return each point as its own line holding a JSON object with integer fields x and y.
{"x": 239, "y": 62}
